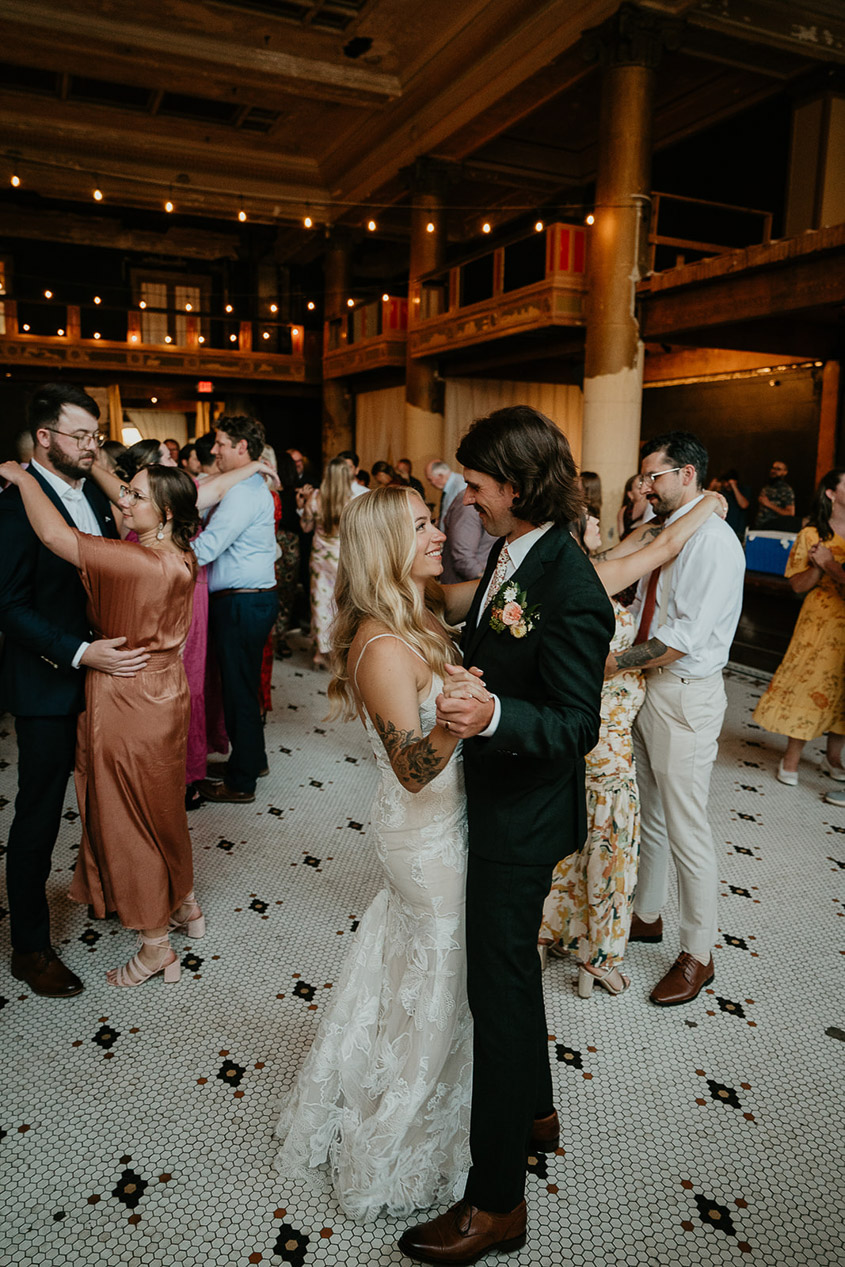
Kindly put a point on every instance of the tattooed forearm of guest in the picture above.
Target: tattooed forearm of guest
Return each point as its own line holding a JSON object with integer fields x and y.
{"x": 641, "y": 656}
{"x": 412, "y": 755}
{"x": 653, "y": 530}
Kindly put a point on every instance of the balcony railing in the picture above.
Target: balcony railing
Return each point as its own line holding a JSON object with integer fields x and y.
{"x": 678, "y": 226}
{"x": 367, "y": 337}
{"x": 531, "y": 282}
{"x": 160, "y": 338}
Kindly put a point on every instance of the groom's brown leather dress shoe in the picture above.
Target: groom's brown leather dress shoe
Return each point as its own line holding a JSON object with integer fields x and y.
{"x": 545, "y": 1134}
{"x": 464, "y": 1234}
{"x": 209, "y": 790}
{"x": 683, "y": 982}
{"x": 45, "y": 974}
{"x": 641, "y": 931}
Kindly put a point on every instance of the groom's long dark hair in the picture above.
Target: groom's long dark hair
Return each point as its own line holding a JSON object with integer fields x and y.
{"x": 522, "y": 447}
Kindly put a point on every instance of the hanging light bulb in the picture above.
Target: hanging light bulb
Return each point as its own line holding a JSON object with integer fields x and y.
{"x": 385, "y": 297}
{"x": 98, "y": 194}
{"x": 311, "y": 305}
{"x": 189, "y": 307}
{"x": 97, "y": 299}
{"x": 591, "y": 219}
{"x": 228, "y": 307}
{"x": 371, "y": 225}
{"x": 308, "y": 222}
{"x": 48, "y": 294}
{"x": 242, "y": 215}
{"x": 142, "y": 304}
{"x": 97, "y": 334}
{"x": 429, "y": 228}
{"x": 233, "y": 338}
{"x": 201, "y": 339}
{"x": 486, "y": 227}
{"x": 539, "y": 226}
{"x": 295, "y": 331}
{"x": 350, "y": 303}
{"x": 154, "y": 400}
{"x": 265, "y": 334}
{"x": 60, "y": 332}
{"x": 168, "y": 206}
{"x": 14, "y": 179}
{"x": 25, "y": 329}
{"x": 274, "y": 307}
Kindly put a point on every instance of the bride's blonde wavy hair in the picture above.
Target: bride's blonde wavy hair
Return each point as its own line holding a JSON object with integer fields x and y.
{"x": 377, "y": 551}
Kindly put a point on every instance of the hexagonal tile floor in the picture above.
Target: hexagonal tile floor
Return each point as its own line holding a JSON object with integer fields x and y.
{"x": 137, "y": 1125}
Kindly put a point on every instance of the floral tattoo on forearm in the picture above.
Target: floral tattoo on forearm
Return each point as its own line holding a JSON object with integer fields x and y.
{"x": 412, "y": 755}
{"x": 641, "y": 656}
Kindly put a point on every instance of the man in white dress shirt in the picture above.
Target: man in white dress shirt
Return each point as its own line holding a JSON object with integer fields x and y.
{"x": 688, "y": 612}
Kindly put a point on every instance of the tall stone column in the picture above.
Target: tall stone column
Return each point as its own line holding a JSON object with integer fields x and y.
{"x": 338, "y": 430}
{"x": 423, "y": 437}
{"x": 628, "y": 46}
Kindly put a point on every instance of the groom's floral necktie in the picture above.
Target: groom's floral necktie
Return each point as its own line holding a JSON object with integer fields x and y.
{"x": 500, "y": 574}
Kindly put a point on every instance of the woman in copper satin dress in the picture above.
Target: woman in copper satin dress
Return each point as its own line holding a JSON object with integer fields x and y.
{"x": 135, "y": 856}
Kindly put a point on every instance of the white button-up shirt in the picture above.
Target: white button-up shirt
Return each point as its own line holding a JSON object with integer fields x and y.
{"x": 75, "y": 502}
{"x": 705, "y": 598}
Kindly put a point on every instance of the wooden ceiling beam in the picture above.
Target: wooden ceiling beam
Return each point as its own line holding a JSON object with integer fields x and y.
{"x": 106, "y": 231}
{"x": 152, "y": 42}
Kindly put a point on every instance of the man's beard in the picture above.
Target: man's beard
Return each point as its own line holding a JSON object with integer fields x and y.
{"x": 66, "y": 465}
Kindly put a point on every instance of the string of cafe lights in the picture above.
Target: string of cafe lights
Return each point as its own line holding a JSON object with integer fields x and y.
{"x": 317, "y": 217}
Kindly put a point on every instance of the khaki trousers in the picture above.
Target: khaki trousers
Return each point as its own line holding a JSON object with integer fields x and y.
{"x": 676, "y": 739}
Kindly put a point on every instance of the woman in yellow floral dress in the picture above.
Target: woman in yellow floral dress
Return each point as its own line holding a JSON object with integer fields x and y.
{"x": 806, "y": 696}
{"x": 588, "y": 910}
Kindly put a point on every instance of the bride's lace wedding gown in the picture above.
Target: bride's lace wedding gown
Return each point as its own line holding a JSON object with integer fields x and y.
{"x": 381, "y": 1105}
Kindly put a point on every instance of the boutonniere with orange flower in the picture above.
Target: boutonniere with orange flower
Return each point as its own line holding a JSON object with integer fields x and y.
{"x": 511, "y": 611}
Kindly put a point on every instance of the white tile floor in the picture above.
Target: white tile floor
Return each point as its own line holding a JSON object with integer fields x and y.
{"x": 137, "y": 1125}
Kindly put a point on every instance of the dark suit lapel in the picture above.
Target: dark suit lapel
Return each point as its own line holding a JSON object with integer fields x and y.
{"x": 475, "y": 628}
{"x": 101, "y": 507}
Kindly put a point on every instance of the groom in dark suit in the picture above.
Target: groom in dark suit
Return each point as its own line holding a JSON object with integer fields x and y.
{"x": 45, "y": 653}
{"x": 539, "y": 630}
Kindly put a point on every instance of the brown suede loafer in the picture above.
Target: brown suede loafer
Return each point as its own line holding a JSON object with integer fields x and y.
{"x": 464, "y": 1234}
{"x": 209, "y": 790}
{"x": 44, "y": 973}
{"x": 216, "y": 771}
{"x": 641, "y": 931}
{"x": 545, "y": 1134}
{"x": 683, "y": 982}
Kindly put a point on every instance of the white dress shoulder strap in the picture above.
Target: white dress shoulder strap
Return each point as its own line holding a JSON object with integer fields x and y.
{"x": 375, "y": 638}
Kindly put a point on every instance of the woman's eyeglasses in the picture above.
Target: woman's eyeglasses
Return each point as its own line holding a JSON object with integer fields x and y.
{"x": 132, "y": 495}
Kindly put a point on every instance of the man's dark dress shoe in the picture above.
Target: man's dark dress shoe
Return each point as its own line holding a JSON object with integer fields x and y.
{"x": 683, "y": 982}
{"x": 44, "y": 973}
{"x": 212, "y": 791}
{"x": 216, "y": 771}
{"x": 641, "y": 931}
{"x": 545, "y": 1134}
{"x": 464, "y": 1234}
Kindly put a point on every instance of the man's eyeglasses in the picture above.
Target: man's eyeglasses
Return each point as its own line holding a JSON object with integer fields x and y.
{"x": 132, "y": 495}
{"x": 84, "y": 439}
{"x": 649, "y": 479}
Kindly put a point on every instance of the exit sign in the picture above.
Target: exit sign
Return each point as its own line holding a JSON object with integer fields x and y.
{"x": 205, "y": 387}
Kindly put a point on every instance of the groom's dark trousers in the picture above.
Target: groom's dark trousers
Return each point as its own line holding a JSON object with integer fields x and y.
{"x": 527, "y": 810}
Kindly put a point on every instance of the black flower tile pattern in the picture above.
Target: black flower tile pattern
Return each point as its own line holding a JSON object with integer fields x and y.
{"x": 130, "y": 1188}
{"x": 106, "y": 1037}
{"x": 291, "y": 1245}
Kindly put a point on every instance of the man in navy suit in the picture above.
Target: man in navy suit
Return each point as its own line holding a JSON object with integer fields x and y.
{"x": 46, "y": 650}
{"x": 538, "y": 629}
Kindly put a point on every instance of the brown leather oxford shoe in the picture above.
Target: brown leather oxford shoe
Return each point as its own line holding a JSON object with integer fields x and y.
{"x": 641, "y": 931}
{"x": 464, "y": 1234}
{"x": 209, "y": 790}
{"x": 545, "y": 1134}
{"x": 683, "y": 982}
{"x": 45, "y": 974}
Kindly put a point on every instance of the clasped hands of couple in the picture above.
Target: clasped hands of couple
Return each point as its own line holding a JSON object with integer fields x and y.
{"x": 464, "y": 706}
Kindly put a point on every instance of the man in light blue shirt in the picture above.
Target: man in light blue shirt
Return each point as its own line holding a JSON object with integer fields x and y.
{"x": 238, "y": 545}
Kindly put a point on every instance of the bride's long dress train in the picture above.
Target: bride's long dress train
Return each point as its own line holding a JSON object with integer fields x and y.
{"x": 380, "y": 1108}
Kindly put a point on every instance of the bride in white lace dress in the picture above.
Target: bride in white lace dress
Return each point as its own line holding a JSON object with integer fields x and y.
{"x": 380, "y": 1108}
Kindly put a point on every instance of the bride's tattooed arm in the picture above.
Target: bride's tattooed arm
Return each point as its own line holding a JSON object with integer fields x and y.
{"x": 414, "y": 757}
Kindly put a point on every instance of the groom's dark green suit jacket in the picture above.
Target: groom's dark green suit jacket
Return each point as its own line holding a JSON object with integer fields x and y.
{"x": 525, "y": 784}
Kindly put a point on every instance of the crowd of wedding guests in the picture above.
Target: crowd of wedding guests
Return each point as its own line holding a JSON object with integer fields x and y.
{"x": 145, "y": 592}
